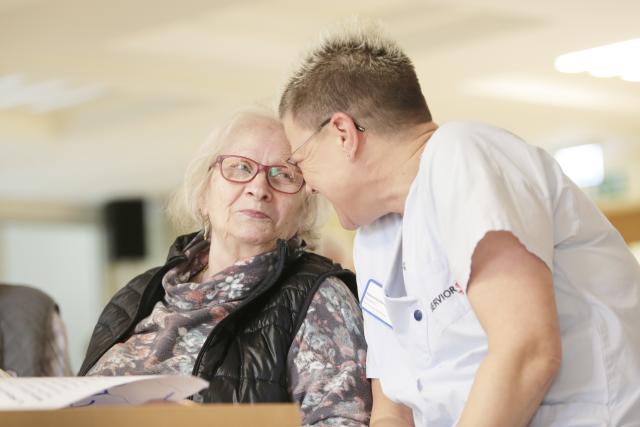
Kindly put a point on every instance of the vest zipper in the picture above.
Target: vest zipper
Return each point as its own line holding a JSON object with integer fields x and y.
{"x": 266, "y": 285}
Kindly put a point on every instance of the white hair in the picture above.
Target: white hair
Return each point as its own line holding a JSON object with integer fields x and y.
{"x": 185, "y": 206}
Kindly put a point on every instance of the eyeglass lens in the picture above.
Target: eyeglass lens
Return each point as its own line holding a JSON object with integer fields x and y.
{"x": 282, "y": 178}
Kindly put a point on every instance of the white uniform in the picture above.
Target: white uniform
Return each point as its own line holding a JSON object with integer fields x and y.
{"x": 425, "y": 342}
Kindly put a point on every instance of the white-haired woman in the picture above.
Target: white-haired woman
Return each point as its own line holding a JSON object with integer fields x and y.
{"x": 242, "y": 303}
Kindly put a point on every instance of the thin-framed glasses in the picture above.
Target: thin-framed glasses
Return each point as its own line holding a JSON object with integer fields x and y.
{"x": 283, "y": 178}
{"x": 323, "y": 124}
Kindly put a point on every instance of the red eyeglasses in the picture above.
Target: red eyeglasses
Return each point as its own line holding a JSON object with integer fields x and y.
{"x": 283, "y": 178}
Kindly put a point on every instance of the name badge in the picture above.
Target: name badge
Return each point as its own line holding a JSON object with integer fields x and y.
{"x": 372, "y": 302}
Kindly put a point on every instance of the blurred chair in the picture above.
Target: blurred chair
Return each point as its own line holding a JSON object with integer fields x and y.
{"x": 33, "y": 341}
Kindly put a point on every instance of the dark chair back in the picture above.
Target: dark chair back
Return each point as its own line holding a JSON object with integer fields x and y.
{"x": 32, "y": 337}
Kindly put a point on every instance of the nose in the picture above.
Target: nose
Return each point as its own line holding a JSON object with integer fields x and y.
{"x": 259, "y": 188}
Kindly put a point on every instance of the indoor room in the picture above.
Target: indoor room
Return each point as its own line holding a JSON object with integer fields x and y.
{"x": 105, "y": 107}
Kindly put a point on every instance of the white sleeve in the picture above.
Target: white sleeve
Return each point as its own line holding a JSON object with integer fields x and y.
{"x": 476, "y": 188}
{"x": 371, "y": 370}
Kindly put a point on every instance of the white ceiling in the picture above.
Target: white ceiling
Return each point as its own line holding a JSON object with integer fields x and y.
{"x": 172, "y": 70}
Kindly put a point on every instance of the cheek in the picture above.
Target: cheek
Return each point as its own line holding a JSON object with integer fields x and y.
{"x": 290, "y": 211}
{"x": 310, "y": 173}
{"x": 222, "y": 196}
{"x": 332, "y": 186}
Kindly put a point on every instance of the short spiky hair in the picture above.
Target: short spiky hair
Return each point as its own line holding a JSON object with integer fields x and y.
{"x": 360, "y": 72}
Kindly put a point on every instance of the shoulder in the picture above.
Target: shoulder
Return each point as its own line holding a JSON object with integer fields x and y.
{"x": 127, "y": 299}
{"x": 466, "y": 136}
{"x": 470, "y": 131}
{"x": 334, "y": 294}
{"x": 315, "y": 263}
{"x": 138, "y": 284}
{"x": 298, "y": 286}
{"x": 333, "y": 305}
{"x": 312, "y": 268}
{"x": 468, "y": 151}
{"x": 335, "y": 290}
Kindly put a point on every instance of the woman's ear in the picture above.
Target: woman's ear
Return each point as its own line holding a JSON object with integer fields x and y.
{"x": 203, "y": 205}
{"x": 308, "y": 217}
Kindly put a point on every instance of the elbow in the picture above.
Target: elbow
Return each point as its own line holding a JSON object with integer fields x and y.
{"x": 543, "y": 360}
{"x": 548, "y": 366}
{"x": 550, "y": 353}
{"x": 533, "y": 360}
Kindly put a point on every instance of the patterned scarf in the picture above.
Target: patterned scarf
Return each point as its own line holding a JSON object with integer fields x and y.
{"x": 169, "y": 339}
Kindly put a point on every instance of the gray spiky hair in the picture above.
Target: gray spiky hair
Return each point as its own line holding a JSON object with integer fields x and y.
{"x": 358, "y": 70}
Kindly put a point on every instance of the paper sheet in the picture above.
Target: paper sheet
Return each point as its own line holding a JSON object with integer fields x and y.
{"x": 61, "y": 392}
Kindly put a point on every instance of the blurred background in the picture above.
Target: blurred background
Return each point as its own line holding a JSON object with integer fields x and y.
{"x": 103, "y": 103}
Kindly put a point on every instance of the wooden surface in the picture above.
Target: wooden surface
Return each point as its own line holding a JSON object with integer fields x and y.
{"x": 261, "y": 415}
{"x": 627, "y": 221}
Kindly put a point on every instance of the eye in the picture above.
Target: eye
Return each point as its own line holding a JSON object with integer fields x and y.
{"x": 242, "y": 165}
{"x": 282, "y": 173}
{"x": 237, "y": 168}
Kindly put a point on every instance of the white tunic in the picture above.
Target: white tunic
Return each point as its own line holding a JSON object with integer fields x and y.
{"x": 425, "y": 342}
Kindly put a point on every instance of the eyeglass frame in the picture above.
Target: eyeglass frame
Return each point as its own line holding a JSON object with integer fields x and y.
{"x": 358, "y": 127}
{"x": 260, "y": 168}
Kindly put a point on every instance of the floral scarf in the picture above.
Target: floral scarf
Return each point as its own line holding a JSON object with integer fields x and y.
{"x": 169, "y": 339}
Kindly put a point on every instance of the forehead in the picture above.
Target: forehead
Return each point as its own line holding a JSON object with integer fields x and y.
{"x": 293, "y": 126}
{"x": 295, "y": 131}
{"x": 263, "y": 141}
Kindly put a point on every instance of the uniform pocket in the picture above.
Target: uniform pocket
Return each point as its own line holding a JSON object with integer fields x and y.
{"x": 408, "y": 325}
{"x": 399, "y": 310}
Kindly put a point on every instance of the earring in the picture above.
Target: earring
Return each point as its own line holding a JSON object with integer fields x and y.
{"x": 205, "y": 226}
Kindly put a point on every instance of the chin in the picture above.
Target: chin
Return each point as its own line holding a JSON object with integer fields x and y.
{"x": 257, "y": 239}
{"x": 251, "y": 236}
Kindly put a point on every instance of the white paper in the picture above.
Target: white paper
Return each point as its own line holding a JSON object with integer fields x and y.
{"x": 62, "y": 392}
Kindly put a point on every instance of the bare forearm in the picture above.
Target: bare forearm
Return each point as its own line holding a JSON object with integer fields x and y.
{"x": 523, "y": 333}
{"x": 507, "y": 390}
{"x": 387, "y": 413}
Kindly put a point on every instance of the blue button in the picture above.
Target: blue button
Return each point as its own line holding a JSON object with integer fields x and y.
{"x": 419, "y": 384}
{"x": 417, "y": 315}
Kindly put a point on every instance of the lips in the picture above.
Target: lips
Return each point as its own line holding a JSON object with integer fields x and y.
{"x": 255, "y": 214}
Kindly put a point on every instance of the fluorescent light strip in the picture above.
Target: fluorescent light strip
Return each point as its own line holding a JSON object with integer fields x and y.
{"x": 620, "y": 59}
{"x": 529, "y": 89}
{"x": 46, "y": 96}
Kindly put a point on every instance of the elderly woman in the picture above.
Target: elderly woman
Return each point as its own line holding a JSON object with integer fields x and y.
{"x": 242, "y": 303}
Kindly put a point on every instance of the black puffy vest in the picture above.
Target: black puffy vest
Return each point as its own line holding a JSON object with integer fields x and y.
{"x": 245, "y": 356}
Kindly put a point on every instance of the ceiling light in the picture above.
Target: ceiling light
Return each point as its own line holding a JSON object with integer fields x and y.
{"x": 528, "y": 89}
{"x": 44, "y": 96}
{"x": 620, "y": 59}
